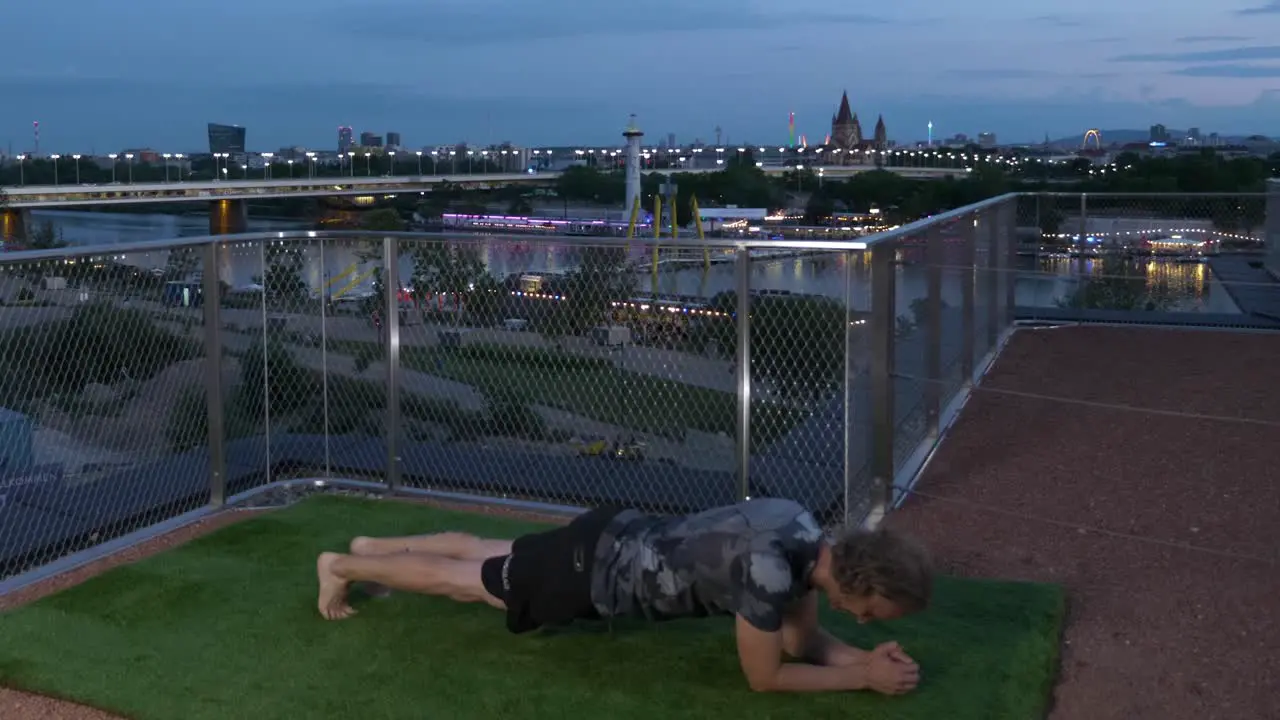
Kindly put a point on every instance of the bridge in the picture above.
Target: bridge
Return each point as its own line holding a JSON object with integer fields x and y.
{"x": 61, "y": 196}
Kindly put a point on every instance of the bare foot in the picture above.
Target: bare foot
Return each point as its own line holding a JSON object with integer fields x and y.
{"x": 333, "y": 589}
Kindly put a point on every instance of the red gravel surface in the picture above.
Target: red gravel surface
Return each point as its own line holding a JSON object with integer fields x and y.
{"x": 1155, "y": 629}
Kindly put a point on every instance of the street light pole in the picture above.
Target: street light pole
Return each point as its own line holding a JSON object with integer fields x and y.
{"x": 266, "y": 165}
{"x": 290, "y": 161}
{"x": 77, "y": 159}
{"x": 311, "y": 164}
{"x": 368, "y": 164}
{"x": 22, "y": 170}
{"x": 166, "y": 157}
{"x": 129, "y": 158}
{"x": 419, "y": 163}
{"x": 391, "y": 162}
{"x": 55, "y": 159}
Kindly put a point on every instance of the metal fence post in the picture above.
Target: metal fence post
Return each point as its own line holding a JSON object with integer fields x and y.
{"x": 743, "y": 310}
{"x": 883, "y": 326}
{"x": 211, "y": 292}
{"x": 991, "y": 235}
{"x": 324, "y": 361}
{"x": 968, "y": 305}
{"x": 852, "y": 454}
{"x": 269, "y": 464}
{"x": 391, "y": 289}
{"x": 1271, "y": 228}
{"x": 1009, "y": 223}
{"x": 1084, "y": 234}
{"x": 934, "y": 258}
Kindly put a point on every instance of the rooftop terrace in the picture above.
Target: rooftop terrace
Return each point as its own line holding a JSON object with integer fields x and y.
{"x": 1059, "y": 444}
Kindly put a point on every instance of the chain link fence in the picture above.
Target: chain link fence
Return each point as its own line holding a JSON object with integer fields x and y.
{"x": 102, "y": 377}
{"x": 573, "y": 371}
{"x": 1087, "y": 255}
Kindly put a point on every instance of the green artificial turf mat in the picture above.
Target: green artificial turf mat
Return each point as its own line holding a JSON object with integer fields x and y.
{"x": 226, "y": 627}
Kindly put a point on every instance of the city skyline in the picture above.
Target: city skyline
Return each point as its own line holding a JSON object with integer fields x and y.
{"x": 141, "y": 75}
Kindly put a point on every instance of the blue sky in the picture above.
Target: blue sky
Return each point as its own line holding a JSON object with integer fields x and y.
{"x": 104, "y": 75}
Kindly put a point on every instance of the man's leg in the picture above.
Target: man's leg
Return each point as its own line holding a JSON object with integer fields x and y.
{"x": 411, "y": 572}
{"x": 460, "y": 546}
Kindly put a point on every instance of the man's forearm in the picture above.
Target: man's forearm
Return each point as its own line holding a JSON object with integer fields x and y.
{"x": 800, "y": 677}
{"x": 826, "y": 649}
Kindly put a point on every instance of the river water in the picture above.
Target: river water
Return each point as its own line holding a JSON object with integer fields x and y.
{"x": 1041, "y": 282}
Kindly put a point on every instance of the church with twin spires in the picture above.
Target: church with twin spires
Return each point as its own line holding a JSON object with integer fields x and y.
{"x": 846, "y": 131}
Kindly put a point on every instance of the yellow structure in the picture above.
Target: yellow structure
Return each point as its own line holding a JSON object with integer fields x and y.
{"x": 631, "y": 226}
{"x": 697, "y": 226}
{"x": 354, "y": 282}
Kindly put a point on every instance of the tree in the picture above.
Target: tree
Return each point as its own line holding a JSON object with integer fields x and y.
{"x": 182, "y": 262}
{"x": 602, "y": 278}
{"x": 819, "y": 208}
{"x": 382, "y": 220}
{"x": 1122, "y": 285}
{"x": 797, "y": 342}
{"x": 45, "y": 236}
{"x": 587, "y": 184}
{"x": 444, "y": 268}
{"x": 282, "y": 277}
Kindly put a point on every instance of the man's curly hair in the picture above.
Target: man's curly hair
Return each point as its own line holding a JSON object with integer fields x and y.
{"x": 883, "y": 562}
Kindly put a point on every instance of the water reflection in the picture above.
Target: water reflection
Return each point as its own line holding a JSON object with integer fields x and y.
{"x": 1041, "y": 282}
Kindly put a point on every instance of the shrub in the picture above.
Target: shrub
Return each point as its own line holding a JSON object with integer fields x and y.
{"x": 272, "y": 379}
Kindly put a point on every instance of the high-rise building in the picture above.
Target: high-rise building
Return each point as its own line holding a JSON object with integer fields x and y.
{"x": 368, "y": 139}
{"x": 226, "y": 139}
{"x": 393, "y": 139}
{"x": 1193, "y": 135}
{"x": 1159, "y": 134}
{"x": 986, "y": 140}
{"x": 344, "y": 138}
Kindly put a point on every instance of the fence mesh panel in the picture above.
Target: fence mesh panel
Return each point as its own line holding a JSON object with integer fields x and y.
{"x": 1135, "y": 252}
{"x": 549, "y": 370}
{"x": 102, "y": 410}
{"x": 912, "y": 332}
{"x": 808, "y": 349}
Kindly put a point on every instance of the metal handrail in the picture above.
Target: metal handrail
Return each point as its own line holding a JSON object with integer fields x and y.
{"x": 368, "y": 235}
{"x": 1036, "y": 193}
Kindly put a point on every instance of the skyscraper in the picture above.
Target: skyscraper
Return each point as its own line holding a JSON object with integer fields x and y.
{"x": 344, "y": 138}
{"x": 393, "y": 139}
{"x": 226, "y": 139}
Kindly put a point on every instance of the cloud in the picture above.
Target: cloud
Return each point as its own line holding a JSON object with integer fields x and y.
{"x": 485, "y": 24}
{"x": 1229, "y": 71}
{"x": 1062, "y": 21}
{"x": 1271, "y": 8}
{"x": 1010, "y": 73}
{"x": 1105, "y": 40}
{"x": 1256, "y": 52}
{"x": 1191, "y": 39}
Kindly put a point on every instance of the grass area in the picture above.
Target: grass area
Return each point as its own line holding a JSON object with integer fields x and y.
{"x": 591, "y": 387}
{"x": 226, "y": 626}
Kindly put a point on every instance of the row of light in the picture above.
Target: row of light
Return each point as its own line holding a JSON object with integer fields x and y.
{"x": 1160, "y": 231}
{"x": 646, "y": 152}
